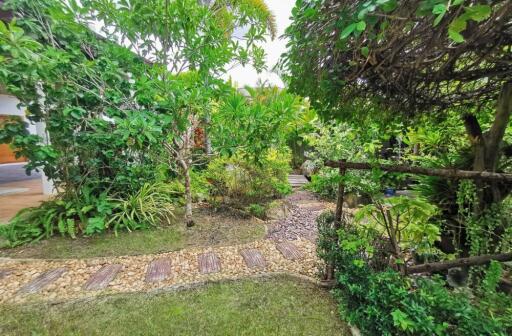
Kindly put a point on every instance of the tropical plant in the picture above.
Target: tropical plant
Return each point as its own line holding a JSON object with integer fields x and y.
{"x": 239, "y": 182}
{"x": 151, "y": 206}
{"x": 404, "y": 222}
{"x": 380, "y": 301}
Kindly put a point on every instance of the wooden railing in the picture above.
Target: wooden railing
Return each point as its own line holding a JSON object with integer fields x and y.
{"x": 344, "y": 165}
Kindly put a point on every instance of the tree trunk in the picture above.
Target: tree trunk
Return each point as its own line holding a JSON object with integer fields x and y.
{"x": 487, "y": 152}
{"x": 184, "y": 158}
{"x": 188, "y": 196}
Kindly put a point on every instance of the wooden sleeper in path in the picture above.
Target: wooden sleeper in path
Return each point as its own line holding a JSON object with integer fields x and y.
{"x": 4, "y": 273}
{"x": 42, "y": 280}
{"x": 253, "y": 258}
{"x": 289, "y": 250}
{"x": 208, "y": 263}
{"x": 158, "y": 270}
{"x": 103, "y": 277}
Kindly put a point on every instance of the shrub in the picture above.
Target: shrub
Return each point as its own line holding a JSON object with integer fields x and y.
{"x": 88, "y": 214}
{"x": 325, "y": 183}
{"x": 257, "y": 210}
{"x": 240, "y": 181}
{"x": 198, "y": 183}
{"x": 386, "y": 303}
{"x": 150, "y": 206}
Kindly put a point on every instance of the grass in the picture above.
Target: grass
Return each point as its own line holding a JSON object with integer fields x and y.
{"x": 211, "y": 229}
{"x": 274, "y": 306}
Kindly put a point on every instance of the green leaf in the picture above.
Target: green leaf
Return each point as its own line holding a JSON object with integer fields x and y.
{"x": 361, "y": 26}
{"x": 479, "y": 13}
{"x": 439, "y": 9}
{"x": 459, "y": 24}
{"x": 347, "y": 31}
{"x": 455, "y": 36}
{"x": 310, "y": 12}
{"x": 365, "y": 51}
{"x": 387, "y": 5}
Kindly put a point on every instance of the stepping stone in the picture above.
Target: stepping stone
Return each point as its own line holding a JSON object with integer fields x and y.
{"x": 253, "y": 258}
{"x": 208, "y": 263}
{"x": 297, "y": 180}
{"x": 42, "y": 281}
{"x": 289, "y": 251}
{"x": 4, "y": 273}
{"x": 312, "y": 206}
{"x": 158, "y": 270}
{"x": 103, "y": 277}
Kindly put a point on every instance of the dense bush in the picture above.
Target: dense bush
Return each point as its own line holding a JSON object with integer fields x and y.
{"x": 152, "y": 205}
{"x": 240, "y": 182}
{"x": 380, "y": 301}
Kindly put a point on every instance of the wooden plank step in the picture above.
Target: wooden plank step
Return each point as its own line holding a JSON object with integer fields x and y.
{"x": 103, "y": 277}
{"x": 158, "y": 270}
{"x": 312, "y": 206}
{"x": 289, "y": 250}
{"x": 4, "y": 273}
{"x": 253, "y": 258}
{"x": 208, "y": 263}
{"x": 42, "y": 280}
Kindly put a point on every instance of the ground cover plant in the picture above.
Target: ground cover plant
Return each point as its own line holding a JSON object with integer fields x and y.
{"x": 212, "y": 228}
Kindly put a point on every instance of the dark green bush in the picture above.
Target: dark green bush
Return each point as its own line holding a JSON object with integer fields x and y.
{"x": 386, "y": 303}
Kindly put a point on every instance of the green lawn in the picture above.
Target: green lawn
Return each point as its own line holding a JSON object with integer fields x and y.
{"x": 211, "y": 229}
{"x": 276, "y": 306}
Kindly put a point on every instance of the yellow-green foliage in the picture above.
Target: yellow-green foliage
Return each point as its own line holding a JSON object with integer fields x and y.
{"x": 240, "y": 180}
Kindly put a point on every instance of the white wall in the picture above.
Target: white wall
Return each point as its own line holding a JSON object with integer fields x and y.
{"x": 9, "y": 106}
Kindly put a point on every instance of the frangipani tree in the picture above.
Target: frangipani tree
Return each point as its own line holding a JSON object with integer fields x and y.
{"x": 204, "y": 37}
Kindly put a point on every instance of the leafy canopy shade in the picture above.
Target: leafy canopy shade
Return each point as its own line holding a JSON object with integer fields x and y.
{"x": 415, "y": 54}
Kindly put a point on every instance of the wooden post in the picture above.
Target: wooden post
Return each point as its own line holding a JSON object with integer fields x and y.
{"x": 341, "y": 195}
{"x": 329, "y": 270}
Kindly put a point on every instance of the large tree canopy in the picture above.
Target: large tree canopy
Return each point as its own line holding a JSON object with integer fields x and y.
{"x": 414, "y": 54}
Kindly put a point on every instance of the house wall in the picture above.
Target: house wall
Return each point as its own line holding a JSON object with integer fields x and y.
{"x": 9, "y": 107}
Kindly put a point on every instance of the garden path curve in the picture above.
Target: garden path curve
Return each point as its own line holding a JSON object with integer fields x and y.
{"x": 288, "y": 248}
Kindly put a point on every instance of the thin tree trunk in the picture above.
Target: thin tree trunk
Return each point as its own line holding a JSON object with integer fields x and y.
{"x": 188, "y": 196}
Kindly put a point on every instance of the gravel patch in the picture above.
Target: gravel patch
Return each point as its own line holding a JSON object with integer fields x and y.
{"x": 301, "y": 220}
{"x": 297, "y": 228}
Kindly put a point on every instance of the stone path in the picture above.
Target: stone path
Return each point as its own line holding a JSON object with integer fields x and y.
{"x": 58, "y": 280}
{"x": 289, "y": 248}
{"x": 301, "y": 219}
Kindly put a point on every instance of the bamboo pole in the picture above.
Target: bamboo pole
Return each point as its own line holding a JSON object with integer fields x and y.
{"x": 470, "y": 261}
{"x": 441, "y": 172}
